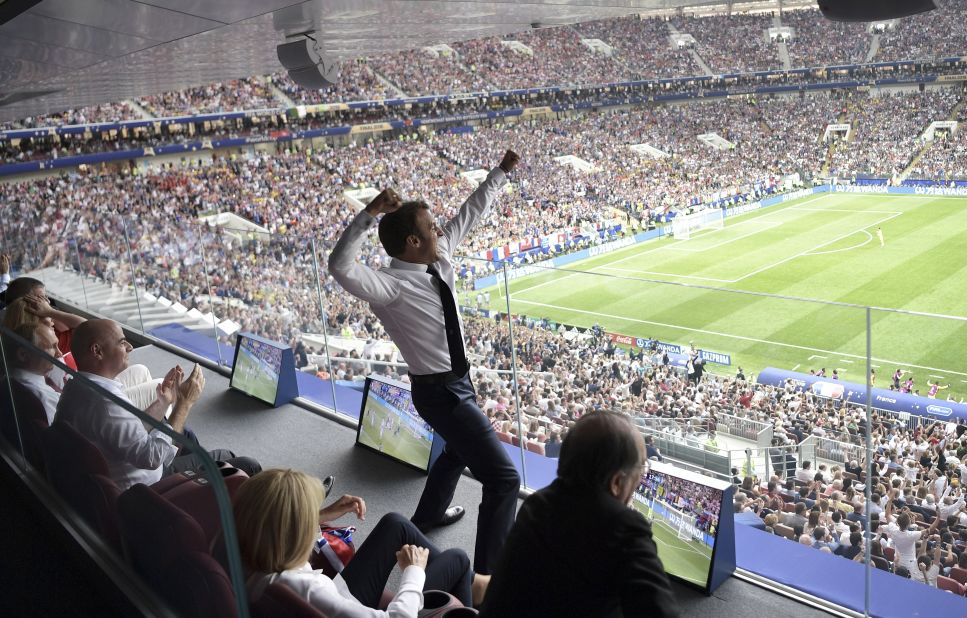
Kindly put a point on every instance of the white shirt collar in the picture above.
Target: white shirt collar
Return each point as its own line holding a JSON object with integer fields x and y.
{"x": 401, "y": 265}
{"x": 112, "y": 385}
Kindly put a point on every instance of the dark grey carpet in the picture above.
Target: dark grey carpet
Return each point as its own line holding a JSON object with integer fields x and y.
{"x": 293, "y": 437}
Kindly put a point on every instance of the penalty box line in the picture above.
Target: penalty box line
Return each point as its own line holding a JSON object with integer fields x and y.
{"x": 704, "y": 331}
{"x": 759, "y": 216}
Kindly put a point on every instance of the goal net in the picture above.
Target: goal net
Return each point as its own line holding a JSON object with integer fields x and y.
{"x": 684, "y": 524}
{"x": 683, "y": 226}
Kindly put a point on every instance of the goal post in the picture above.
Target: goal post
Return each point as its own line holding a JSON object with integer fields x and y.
{"x": 683, "y": 226}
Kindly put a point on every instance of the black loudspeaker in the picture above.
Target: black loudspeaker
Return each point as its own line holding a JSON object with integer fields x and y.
{"x": 873, "y": 10}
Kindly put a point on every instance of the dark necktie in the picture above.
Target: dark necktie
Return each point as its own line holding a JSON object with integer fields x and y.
{"x": 51, "y": 383}
{"x": 458, "y": 358}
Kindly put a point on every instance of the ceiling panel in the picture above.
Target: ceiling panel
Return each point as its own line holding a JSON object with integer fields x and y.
{"x": 134, "y": 18}
{"x": 17, "y": 73}
{"x": 226, "y": 11}
{"x": 76, "y": 36}
{"x": 152, "y": 46}
{"x": 15, "y": 47}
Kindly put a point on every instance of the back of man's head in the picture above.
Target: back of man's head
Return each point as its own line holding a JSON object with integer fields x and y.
{"x": 598, "y": 446}
{"x": 395, "y": 227}
{"x": 20, "y": 287}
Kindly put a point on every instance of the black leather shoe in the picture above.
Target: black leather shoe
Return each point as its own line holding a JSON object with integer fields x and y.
{"x": 451, "y": 516}
{"x": 327, "y": 484}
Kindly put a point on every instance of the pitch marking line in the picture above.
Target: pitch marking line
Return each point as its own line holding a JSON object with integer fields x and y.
{"x": 739, "y": 337}
{"x": 797, "y": 367}
{"x": 806, "y": 253}
{"x": 769, "y": 226}
{"x": 661, "y": 274}
{"x": 875, "y": 212}
{"x": 769, "y": 211}
{"x": 869, "y": 238}
{"x": 803, "y": 253}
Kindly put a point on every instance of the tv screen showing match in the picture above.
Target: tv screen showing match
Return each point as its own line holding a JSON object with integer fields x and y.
{"x": 257, "y": 368}
{"x": 683, "y": 509}
{"x": 389, "y": 424}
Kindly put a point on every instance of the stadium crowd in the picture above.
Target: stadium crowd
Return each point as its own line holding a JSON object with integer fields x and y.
{"x": 886, "y": 132}
{"x": 104, "y": 224}
{"x": 557, "y": 56}
{"x": 917, "y": 509}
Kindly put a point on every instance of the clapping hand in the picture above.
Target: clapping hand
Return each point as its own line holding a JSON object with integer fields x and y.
{"x": 386, "y": 201}
{"x": 190, "y": 390}
{"x": 166, "y": 392}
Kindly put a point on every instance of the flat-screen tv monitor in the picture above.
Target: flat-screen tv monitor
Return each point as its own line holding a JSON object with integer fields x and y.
{"x": 691, "y": 522}
{"x": 390, "y": 425}
{"x": 264, "y": 369}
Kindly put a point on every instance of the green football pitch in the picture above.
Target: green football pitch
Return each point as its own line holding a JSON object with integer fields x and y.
{"x": 688, "y": 560}
{"x": 249, "y": 376}
{"x": 819, "y": 248}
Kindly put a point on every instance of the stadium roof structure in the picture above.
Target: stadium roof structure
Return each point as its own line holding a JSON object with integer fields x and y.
{"x": 60, "y": 54}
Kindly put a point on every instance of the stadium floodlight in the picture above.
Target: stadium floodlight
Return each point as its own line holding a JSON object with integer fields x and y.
{"x": 873, "y": 10}
{"x": 683, "y": 226}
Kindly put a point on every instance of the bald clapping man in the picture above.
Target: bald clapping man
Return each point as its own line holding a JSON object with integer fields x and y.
{"x": 134, "y": 454}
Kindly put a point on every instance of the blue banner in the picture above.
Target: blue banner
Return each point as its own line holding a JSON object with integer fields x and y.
{"x": 882, "y": 398}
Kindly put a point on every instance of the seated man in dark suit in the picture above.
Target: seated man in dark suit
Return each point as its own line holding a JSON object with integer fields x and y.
{"x": 576, "y": 543}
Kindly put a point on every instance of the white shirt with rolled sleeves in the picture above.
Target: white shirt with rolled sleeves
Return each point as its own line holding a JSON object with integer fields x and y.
{"x": 403, "y": 295}
{"x": 133, "y": 454}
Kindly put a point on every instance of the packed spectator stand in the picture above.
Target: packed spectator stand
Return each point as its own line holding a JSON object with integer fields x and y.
{"x": 75, "y": 222}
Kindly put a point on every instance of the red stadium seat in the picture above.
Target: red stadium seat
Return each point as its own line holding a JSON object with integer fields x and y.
{"x": 504, "y": 437}
{"x": 192, "y": 493}
{"x": 950, "y": 585}
{"x": 882, "y": 564}
{"x": 959, "y": 574}
{"x": 890, "y": 553}
{"x": 786, "y": 531}
{"x": 165, "y": 545}
{"x": 31, "y": 421}
{"x": 79, "y": 473}
{"x": 535, "y": 447}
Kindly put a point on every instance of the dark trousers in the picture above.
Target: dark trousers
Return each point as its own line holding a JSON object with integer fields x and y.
{"x": 367, "y": 573}
{"x": 451, "y": 409}
{"x": 186, "y": 460}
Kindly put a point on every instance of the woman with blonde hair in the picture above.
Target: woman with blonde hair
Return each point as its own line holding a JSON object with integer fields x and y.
{"x": 277, "y": 516}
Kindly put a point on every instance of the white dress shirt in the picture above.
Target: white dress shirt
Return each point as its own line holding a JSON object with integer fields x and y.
{"x": 332, "y": 596}
{"x": 404, "y": 296}
{"x": 133, "y": 454}
{"x": 39, "y": 388}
